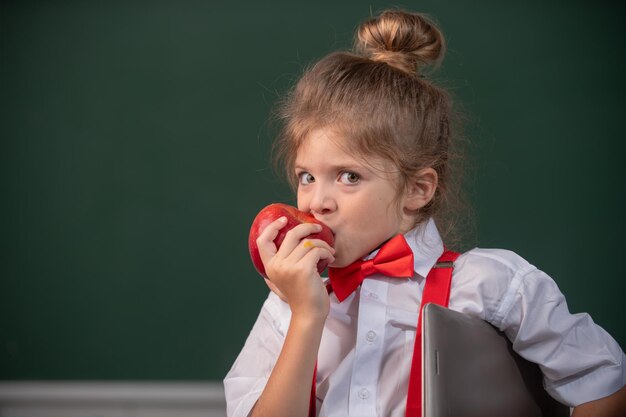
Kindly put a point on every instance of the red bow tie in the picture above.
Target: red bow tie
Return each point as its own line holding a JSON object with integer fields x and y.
{"x": 394, "y": 259}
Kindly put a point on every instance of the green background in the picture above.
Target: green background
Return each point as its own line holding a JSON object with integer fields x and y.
{"x": 135, "y": 146}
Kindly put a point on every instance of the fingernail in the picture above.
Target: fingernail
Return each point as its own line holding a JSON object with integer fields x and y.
{"x": 282, "y": 219}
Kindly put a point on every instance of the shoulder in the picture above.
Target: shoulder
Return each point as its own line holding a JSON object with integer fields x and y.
{"x": 499, "y": 267}
{"x": 486, "y": 282}
{"x": 497, "y": 261}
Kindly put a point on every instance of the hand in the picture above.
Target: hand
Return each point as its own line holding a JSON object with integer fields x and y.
{"x": 292, "y": 268}
{"x": 275, "y": 290}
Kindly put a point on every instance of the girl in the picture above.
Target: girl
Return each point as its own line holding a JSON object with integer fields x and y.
{"x": 366, "y": 139}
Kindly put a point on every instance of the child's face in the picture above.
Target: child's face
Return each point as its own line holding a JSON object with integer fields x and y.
{"x": 357, "y": 200}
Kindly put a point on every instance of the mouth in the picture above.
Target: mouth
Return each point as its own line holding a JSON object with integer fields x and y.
{"x": 332, "y": 230}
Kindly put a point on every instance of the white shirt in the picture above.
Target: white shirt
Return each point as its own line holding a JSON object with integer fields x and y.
{"x": 375, "y": 328}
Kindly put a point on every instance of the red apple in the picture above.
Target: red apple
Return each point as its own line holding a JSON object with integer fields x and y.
{"x": 294, "y": 217}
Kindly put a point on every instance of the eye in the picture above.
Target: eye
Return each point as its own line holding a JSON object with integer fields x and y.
{"x": 349, "y": 178}
{"x": 305, "y": 178}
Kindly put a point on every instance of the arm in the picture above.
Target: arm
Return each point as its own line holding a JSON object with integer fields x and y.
{"x": 288, "y": 389}
{"x": 580, "y": 361}
{"x": 612, "y": 406}
{"x": 293, "y": 271}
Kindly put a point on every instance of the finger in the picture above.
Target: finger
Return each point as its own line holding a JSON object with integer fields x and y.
{"x": 318, "y": 243}
{"x": 305, "y": 246}
{"x": 295, "y": 235}
{"x": 265, "y": 241}
{"x": 307, "y": 252}
{"x": 313, "y": 256}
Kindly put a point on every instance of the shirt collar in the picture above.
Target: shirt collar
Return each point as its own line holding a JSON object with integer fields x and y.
{"x": 427, "y": 246}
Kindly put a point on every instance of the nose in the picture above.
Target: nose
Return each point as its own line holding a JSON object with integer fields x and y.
{"x": 322, "y": 200}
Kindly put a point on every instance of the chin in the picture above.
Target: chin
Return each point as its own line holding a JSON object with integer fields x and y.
{"x": 340, "y": 262}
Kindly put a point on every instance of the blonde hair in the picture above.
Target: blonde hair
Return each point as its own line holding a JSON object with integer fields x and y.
{"x": 378, "y": 99}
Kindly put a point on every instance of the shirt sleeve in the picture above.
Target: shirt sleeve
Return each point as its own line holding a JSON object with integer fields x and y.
{"x": 248, "y": 376}
{"x": 580, "y": 361}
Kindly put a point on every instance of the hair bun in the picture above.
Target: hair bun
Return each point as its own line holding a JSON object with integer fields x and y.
{"x": 404, "y": 40}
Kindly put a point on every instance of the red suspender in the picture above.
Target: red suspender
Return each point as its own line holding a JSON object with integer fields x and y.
{"x": 436, "y": 290}
{"x": 313, "y": 400}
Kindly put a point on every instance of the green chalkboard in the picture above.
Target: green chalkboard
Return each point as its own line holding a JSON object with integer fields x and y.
{"x": 134, "y": 155}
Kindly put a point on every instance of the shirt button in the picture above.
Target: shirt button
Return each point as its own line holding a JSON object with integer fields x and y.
{"x": 370, "y": 336}
{"x": 364, "y": 393}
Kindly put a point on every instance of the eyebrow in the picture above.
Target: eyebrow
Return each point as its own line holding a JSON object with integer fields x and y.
{"x": 338, "y": 167}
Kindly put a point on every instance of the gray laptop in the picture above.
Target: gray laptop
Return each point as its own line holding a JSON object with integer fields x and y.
{"x": 471, "y": 371}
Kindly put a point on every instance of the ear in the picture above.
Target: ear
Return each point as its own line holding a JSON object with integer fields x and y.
{"x": 421, "y": 189}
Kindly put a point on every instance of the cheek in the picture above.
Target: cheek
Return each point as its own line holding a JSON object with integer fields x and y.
{"x": 301, "y": 201}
